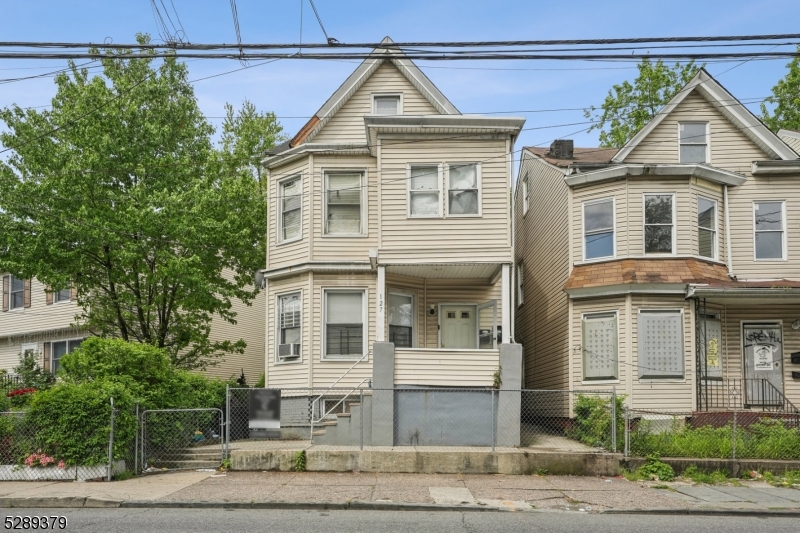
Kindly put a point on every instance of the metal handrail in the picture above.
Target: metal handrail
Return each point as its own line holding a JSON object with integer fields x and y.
{"x": 318, "y": 398}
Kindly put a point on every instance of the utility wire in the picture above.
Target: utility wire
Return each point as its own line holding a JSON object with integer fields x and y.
{"x": 331, "y": 41}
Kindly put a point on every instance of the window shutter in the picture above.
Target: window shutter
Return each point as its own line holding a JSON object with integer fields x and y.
{"x": 48, "y": 296}
{"x": 73, "y": 293}
{"x": 46, "y": 362}
{"x": 26, "y": 293}
{"x": 5, "y": 293}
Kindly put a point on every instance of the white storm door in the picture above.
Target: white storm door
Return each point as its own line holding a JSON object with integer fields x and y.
{"x": 459, "y": 326}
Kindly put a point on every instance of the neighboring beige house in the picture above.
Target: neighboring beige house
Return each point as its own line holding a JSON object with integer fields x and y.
{"x": 669, "y": 269}
{"x": 36, "y": 320}
{"x": 390, "y": 221}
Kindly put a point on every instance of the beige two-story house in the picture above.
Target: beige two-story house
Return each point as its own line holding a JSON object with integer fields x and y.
{"x": 670, "y": 268}
{"x": 390, "y": 222}
{"x": 36, "y": 320}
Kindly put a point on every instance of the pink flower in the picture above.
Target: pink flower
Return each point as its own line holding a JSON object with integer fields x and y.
{"x": 61, "y": 464}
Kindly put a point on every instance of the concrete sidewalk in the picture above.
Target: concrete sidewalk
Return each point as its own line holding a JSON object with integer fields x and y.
{"x": 403, "y": 491}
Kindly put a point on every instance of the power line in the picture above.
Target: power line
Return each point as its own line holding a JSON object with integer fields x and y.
{"x": 330, "y": 40}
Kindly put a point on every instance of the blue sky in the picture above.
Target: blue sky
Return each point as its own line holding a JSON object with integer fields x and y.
{"x": 298, "y": 88}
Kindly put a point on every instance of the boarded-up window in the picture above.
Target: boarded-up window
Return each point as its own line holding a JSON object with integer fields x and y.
{"x": 291, "y": 201}
{"x": 343, "y": 205}
{"x": 710, "y": 331}
{"x": 423, "y": 192}
{"x": 660, "y": 351}
{"x": 600, "y": 349}
{"x": 344, "y": 323}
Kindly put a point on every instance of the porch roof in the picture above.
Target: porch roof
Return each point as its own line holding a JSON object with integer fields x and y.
{"x": 747, "y": 292}
{"x": 488, "y": 271}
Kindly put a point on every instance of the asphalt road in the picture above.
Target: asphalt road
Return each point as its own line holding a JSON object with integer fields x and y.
{"x": 351, "y": 521}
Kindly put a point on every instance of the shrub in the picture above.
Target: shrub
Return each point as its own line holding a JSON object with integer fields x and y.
{"x": 33, "y": 376}
{"x": 72, "y": 421}
{"x": 262, "y": 381}
{"x": 5, "y": 403}
{"x": 19, "y": 398}
{"x": 592, "y": 424}
{"x": 114, "y": 358}
{"x": 655, "y": 469}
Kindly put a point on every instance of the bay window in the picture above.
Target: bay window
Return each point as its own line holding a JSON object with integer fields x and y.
{"x": 659, "y": 223}
{"x": 343, "y": 203}
{"x": 600, "y": 340}
{"x": 598, "y": 229}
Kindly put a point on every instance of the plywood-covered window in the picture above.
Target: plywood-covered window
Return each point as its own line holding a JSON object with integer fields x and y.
{"x": 344, "y": 203}
{"x": 600, "y": 346}
{"x": 660, "y": 348}
{"x": 770, "y": 230}
{"x": 463, "y": 189}
{"x": 424, "y": 191}
{"x": 659, "y": 223}
{"x": 693, "y": 142}
{"x": 290, "y": 209}
{"x": 598, "y": 229}
{"x": 707, "y": 228}
{"x": 344, "y": 323}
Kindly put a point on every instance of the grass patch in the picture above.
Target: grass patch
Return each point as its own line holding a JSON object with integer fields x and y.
{"x": 122, "y": 476}
{"x": 697, "y": 476}
{"x": 790, "y": 478}
{"x": 652, "y": 470}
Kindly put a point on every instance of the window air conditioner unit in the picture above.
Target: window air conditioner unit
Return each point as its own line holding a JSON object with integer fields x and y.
{"x": 288, "y": 351}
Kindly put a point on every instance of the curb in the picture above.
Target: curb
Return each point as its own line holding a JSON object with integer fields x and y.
{"x": 790, "y": 513}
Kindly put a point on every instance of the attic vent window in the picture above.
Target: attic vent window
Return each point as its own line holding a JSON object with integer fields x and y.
{"x": 387, "y": 104}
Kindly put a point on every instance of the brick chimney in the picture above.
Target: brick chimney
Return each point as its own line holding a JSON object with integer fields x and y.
{"x": 562, "y": 149}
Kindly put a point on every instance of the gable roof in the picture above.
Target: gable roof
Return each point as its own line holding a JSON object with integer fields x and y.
{"x": 792, "y": 138}
{"x": 589, "y": 156}
{"x": 729, "y": 106}
{"x": 359, "y": 76}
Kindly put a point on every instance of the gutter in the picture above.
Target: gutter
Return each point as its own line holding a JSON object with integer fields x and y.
{"x": 701, "y": 171}
{"x": 728, "y": 232}
{"x": 766, "y": 168}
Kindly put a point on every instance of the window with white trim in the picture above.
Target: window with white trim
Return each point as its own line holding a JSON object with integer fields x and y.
{"x": 707, "y": 228}
{"x": 423, "y": 191}
{"x": 693, "y": 142}
{"x": 16, "y": 298}
{"x": 599, "y": 344}
{"x": 401, "y": 320}
{"x": 463, "y": 189}
{"x": 59, "y": 349}
{"x": 343, "y": 203}
{"x": 525, "y": 199}
{"x": 770, "y": 230}
{"x": 387, "y": 104}
{"x": 64, "y": 295}
{"x": 660, "y": 347}
{"x": 291, "y": 209}
{"x": 290, "y": 308}
{"x": 29, "y": 349}
{"x": 520, "y": 285}
{"x": 659, "y": 223}
{"x": 598, "y": 229}
{"x": 344, "y": 323}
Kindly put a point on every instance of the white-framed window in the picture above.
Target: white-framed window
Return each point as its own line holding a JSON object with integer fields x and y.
{"x": 290, "y": 315}
{"x": 387, "y": 104}
{"x": 344, "y": 333}
{"x": 706, "y": 227}
{"x": 520, "y": 284}
{"x": 769, "y": 230}
{"x": 600, "y": 346}
{"x": 598, "y": 229}
{"x": 16, "y": 293}
{"x": 344, "y": 205}
{"x": 660, "y": 346}
{"x": 59, "y": 349}
{"x": 424, "y": 191}
{"x": 693, "y": 142}
{"x": 31, "y": 348}
{"x": 463, "y": 189}
{"x": 290, "y": 218}
{"x": 525, "y": 198}
{"x": 659, "y": 223}
{"x": 64, "y": 295}
{"x": 401, "y": 319}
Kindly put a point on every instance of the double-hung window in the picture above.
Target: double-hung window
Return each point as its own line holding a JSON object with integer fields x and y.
{"x": 770, "y": 230}
{"x": 291, "y": 209}
{"x": 600, "y": 346}
{"x": 289, "y": 326}
{"x": 660, "y": 346}
{"x": 598, "y": 229}
{"x": 423, "y": 191}
{"x": 659, "y": 223}
{"x": 707, "y": 228}
{"x": 343, "y": 203}
{"x": 401, "y": 320}
{"x": 61, "y": 348}
{"x": 64, "y": 295}
{"x": 463, "y": 189}
{"x": 16, "y": 293}
{"x": 344, "y": 323}
{"x": 693, "y": 142}
{"x": 387, "y": 104}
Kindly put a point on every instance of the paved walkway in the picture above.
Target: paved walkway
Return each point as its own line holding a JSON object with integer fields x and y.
{"x": 565, "y": 493}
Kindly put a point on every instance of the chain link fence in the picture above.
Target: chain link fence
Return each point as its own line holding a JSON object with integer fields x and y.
{"x": 179, "y": 439}
{"x": 718, "y": 435}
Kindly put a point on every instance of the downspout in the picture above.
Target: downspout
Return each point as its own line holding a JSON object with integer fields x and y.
{"x": 513, "y": 287}
{"x": 727, "y": 232}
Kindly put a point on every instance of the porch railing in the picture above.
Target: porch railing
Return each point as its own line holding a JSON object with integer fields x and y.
{"x": 754, "y": 394}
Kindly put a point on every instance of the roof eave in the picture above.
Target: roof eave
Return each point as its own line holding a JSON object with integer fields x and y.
{"x": 713, "y": 174}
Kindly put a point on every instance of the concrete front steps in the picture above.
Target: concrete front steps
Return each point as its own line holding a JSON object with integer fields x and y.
{"x": 187, "y": 458}
{"x": 344, "y": 429}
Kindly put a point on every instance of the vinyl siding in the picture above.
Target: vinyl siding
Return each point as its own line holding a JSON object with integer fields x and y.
{"x": 445, "y": 368}
{"x": 486, "y": 237}
{"x": 289, "y": 374}
{"x": 347, "y": 125}
{"x": 542, "y": 245}
{"x": 39, "y": 317}
{"x": 280, "y": 255}
{"x": 793, "y": 142}
{"x": 602, "y": 305}
{"x": 458, "y": 291}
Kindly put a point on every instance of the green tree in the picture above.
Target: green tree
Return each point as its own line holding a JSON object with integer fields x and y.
{"x": 628, "y": 107}
{"x": 785, "y": 99}
{"x": 120, "y": 191}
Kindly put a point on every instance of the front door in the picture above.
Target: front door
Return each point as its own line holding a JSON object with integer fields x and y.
{"x": 459, "y": 323}
{"x": 763, "y": 361}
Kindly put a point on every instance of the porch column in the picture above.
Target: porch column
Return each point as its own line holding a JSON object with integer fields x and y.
{"x": 506, "y": 302}
{"x": 380, "y": 315}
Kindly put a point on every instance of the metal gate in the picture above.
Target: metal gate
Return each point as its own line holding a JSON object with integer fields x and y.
{"x": 177, "y": 439}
